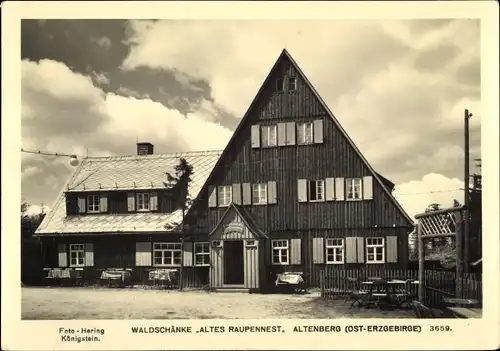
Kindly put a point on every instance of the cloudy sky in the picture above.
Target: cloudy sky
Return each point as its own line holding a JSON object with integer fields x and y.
{"x": 399, "y": 88}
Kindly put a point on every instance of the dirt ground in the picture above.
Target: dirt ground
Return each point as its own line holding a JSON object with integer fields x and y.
{"x": 106, "y": 303}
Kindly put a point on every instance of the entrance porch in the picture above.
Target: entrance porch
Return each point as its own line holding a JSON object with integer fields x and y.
{"x": 237, "y": 257}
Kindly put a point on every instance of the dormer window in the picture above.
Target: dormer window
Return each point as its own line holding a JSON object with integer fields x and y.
{"x": 143, "y": 202}
{"x": 280, "y": 85}
{"x": 93, "y": 203}
{"x": 292, "y": 84}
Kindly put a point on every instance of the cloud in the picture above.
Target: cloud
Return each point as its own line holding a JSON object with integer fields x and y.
{"x": 86, "y": 119}
{"x": 416, "y": 195}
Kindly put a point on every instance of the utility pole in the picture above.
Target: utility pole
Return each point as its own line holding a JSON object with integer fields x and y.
{"x": 466, "y": 217}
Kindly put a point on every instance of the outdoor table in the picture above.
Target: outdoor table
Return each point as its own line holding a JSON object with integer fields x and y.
{"x": 463, "y": 312}
{"x": 386, "y": 289}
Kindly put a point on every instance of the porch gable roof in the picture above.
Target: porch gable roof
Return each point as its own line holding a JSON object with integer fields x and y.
{"x": 245, "y": 217}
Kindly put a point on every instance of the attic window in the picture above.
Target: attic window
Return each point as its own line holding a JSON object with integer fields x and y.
{"x": 280, "y": 85}
{"x": 292, "y": 84}
{"x": 143, "y": 202}
{"x": 93, "y": 203}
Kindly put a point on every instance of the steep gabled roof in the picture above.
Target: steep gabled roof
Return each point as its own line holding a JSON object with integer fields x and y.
{"x": 125, "y": 173}
{"x": 285, "y": 55}
{"x": 245, "y": 217}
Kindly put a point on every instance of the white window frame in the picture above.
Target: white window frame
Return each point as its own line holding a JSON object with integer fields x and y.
{"x": 145, "y": 204}
{"x": 217, "y": 244}
{"x": 225, "y": 192}
{"x": 280, "y": 246}
{"x": 375, "y": 245}
{"x": 92, "y": 206}
{"x": 336, "y": 246}
{"x": 250, "y": 243}
{"x": 304, "y": 138}
{"x": 261, "y": 190}
{"x": 202, "y": 253}
{"x": 282, "y": 80}
{"x": 290, "y": 80}
{"x": 269, "y": 135}
{"x": 353, "y": 186}
{"x": 319, "y": 190}
{"x": 79, "y": 250}
{"x": 163, "y": 248}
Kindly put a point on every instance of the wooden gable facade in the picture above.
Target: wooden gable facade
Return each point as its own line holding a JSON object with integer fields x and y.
{"x": 295, "y": 171}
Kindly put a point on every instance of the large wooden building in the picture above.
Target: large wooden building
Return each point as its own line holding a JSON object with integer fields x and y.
{"x": 290, "y": 192}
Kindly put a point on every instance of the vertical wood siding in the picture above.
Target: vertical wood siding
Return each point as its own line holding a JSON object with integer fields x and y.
{"x": 251, "y": 266}
{"x": 216, "y": 267}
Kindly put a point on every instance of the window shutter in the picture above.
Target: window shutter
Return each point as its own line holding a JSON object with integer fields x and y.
{"x": 392, "y": 249}
{"x": 318, "y": 131}
{"x": 295, "y": 251}
{"x": 271, "y": 192}
{"x": 187, "y": 254}
{"x": 81, "y": 204}
{"x": 361, "y": 249}
{"x": 281, "y": 134}
{"x": 89, "y": 255}
{"x": 351, "y": 253}
{"x": 153, "y": 201}
{"x": 329, "y": 189}
{"x": 367, "y": 188}
{"x": 302, "y": 190}
{"x": 212, "y": 197}
{"x": 318, "y": 250}
{"x": 290, "y": 133}
{"x": 339, "y": 189}
{"x": 131, "y": 202}
{"x": 247, "y": 194}
{"x": 62, "y": 255}
{"x": 237, "y": 193}
{"x": 255, "y": 136}
{"x": 143, "y": 254}
{"x": 103, "y": 203}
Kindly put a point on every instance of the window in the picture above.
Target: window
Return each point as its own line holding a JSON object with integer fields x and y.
{"x": 335, "y": 251}
{"x": 280, "y": 251}
{"x": 167, "y": 254}
{"x": 93, "y": 203}
{"x": 77, "y": 255}
{"x": 201, "y": 254}
{"x": 250, "y": 243}
{"x": 259, "y": 192}
{"x": 317, "y": 190}
{"x": 305, "y": 133}
{"x": 216, "y": 243}
{"x": 375, "y": 250}
{"x": 353, "y": 187}
{"x": 268, "y": 136}
{"x": 280, "y": 85}
{"x": 225, "y": 195}
{"x": 292, "y": 84}
{"x": 143, "y": 202}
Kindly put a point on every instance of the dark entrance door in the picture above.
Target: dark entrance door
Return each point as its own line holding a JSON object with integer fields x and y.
{"x": 233, "y": 263}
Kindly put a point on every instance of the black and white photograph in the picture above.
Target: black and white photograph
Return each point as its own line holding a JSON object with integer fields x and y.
{"x": 188, "y": 169}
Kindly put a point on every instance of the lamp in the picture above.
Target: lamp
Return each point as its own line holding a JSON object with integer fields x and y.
{"x": 74, "y": 161}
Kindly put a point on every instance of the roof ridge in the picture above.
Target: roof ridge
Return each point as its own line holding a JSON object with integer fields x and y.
{"x": 154, "y": 156}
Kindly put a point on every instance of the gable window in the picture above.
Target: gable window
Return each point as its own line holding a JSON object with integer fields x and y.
{"x": 317, "y": 190}
{"x": 167, "y": 254}
{"x": 268, "y": 136}
{"x": 143, "y": 202}
{"x": 93, "y": 203}
{"x": 225, "y": 195}
{"x": 375, "y": 250}
{"x": 76, "y": 255}
{"x": 280, "y": 251}
{"x": 280, "y": 85}
{"x": 305, "y": 133}
{"x": 292, "y": 84}
{"x": 353, "y": 187}
{"x": 259, "y": 192}
{"x": 335, "y": 251}
{"x": 201, "y": 254}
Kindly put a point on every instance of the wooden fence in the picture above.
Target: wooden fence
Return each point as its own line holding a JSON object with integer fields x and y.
{"x": 438, "y": 284}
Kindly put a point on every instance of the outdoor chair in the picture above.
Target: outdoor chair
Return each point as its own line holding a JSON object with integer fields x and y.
{"x": 351, "y": 287}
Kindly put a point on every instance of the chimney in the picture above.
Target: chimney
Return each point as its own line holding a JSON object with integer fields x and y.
{"x": 145, "y": 148}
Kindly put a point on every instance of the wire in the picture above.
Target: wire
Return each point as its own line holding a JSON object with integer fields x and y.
{"x": 429, "y": 192}
{"x": 47, "y": 153}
